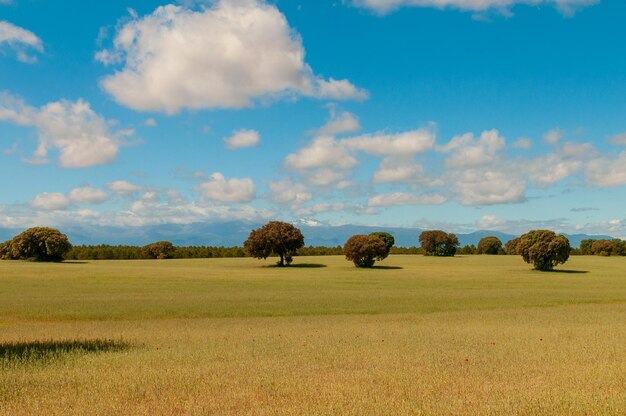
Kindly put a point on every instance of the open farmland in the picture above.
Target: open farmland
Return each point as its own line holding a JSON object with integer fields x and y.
{"x": 415, "y": 335}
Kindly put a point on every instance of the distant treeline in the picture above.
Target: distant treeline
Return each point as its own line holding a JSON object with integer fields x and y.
{"x": 108, "y": 252}
{"x": 613, "y": 247}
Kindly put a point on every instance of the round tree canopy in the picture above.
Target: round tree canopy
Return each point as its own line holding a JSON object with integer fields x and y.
{"x": 279, "y": 238}
{"x": 364, "y": 250}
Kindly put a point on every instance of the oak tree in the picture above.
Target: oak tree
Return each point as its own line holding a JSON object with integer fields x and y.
{"x": 278, "y": 238}
{"x": 544, "y": 249}
{"x": 364, "y": 250}
{"x": 438, "y": 243}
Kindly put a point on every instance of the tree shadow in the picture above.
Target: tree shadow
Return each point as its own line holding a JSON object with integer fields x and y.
{"x": 299, "y": 266}
{"x": 308, "y": 266}
{"x": 566, "y": 271}
{"x": 75, "y": 262}
{"x": 45, "y": 351}
{"x": 387, "y": 267}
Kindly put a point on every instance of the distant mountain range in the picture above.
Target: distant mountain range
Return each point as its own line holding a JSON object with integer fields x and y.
{"x": 234, "y": 233}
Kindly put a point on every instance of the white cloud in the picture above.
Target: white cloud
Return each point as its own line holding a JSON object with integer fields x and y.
{"x": 16, "y": 110}
{"x": 218, "y": 188}
{"x": 20, "y": 40}
{"x": 468, "y": 151}
{"x": 165, "y": 209}
{"x": 51, "y": 201}
{"x": 325, "y": 177}
{"x": 393, "y": 169}
{"x": 162, "y": 206}
{"x": 82, "y": 137}
{"x": 242, "y": 138}
{"x": 566, "y": 7}
{"x": 150, "y": 122}
{"x": 521, "y": 226}
{"x": 123, "y": 187}
{"x": 325, "y": 207}
{"x": 322, "y": 152}
{"x": 491, "y": 222}
{"x": 87, "y": 195}
{"x": 288, "y": 192}
{"x": 548, "y": 170}
{"x": 619, "y": 139}
{"x": 407, "y": 143}
{"x": 567, "y": 160}
{"x": 489, "y": 187}
{"x": 339, "y": 123}
{"x": 614, "y": 227}
{"x": 224, "y": 56}
{"x": 607, "y": 171}
{"x": 338, "y": 90}
{"x": 401, "y": 198}
{"x": 480, "y": 174}
{"x": 326, "y": 160}
{"x": 553, "y": 136}
{"x": 523, "y": 143}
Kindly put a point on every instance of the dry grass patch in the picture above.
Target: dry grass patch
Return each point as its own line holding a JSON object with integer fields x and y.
{"x": 433, "y": 337}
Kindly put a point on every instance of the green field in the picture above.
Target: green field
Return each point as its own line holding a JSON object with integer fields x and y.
{"x": 474, "y": 335}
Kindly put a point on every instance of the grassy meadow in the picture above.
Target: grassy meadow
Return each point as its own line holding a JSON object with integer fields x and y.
{"x": 470, "y": 335}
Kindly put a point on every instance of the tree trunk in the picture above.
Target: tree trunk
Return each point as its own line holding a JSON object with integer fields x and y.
{"x": 282, "y": 260}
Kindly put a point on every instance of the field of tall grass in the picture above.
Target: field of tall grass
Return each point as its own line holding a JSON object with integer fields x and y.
{"x": 469, "y": 335}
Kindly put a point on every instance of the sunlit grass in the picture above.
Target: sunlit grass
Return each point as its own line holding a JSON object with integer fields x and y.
{"x": 469, "y": 335}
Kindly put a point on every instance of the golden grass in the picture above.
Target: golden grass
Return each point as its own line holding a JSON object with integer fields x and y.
{"x": 467, "y": 336}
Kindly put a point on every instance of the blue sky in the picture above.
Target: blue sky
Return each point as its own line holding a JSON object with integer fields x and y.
{"x": 460, "y": 114}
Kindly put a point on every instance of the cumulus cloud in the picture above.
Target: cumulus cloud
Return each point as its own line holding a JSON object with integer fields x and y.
{"x": 56, "y": 201}
{"x": 489, "y": 187}
{"x": 123, "y": 187}
{"x": 401, "y": 198}
{"x": 322, "y": 152}
{"x": 394, "y": 169}
{"x": 242, "y": 138}
{"x": 619, "y": 139}
{"x": 228, "y": 55}
{"x": 20, "y": 40}
{"x": 480, "y": 174}
{"x": 406, "y": 143}
{"x": 52, "y": 201}
{"x": 161, "y": 206}
{"x": 288, "y": 192}
{"x": 150, "y": 122}
{"x": 490, "y": 222}
{"x": 325, "y": 160}
{"x": 87, "y": 195}
{"x": 82, "y": 137}
{"x": 521, "y": 226}
{"x": 607, "y": 171}
{"x": 566, "y": 7}
{"x": 166, "y": 207}
{"x": 469, "y": 151}
{"x": 566, "y": 161}
{"x": 344, "y": 122}
{"x": 218, "y": 188}
{"x": 523, "y": 143}
{"x": 553, "y": 136}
